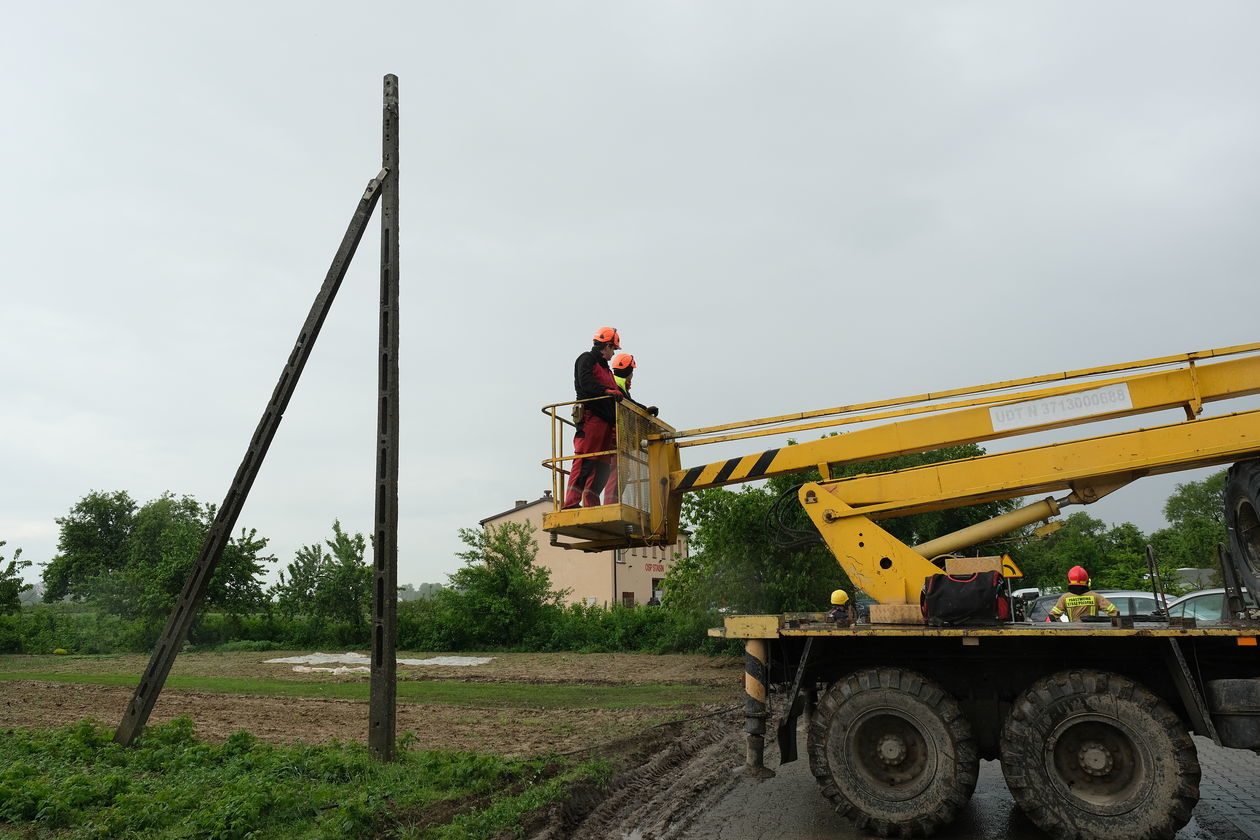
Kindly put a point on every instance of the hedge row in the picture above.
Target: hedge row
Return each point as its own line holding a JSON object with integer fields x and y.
{"x": 423, "y": 625}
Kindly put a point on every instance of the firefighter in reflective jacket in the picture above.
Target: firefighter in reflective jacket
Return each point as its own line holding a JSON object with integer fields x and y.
{"x": 1079, "y": 600}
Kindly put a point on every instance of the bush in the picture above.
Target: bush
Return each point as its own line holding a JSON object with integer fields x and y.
{"x": 10, "y": 633}
{"x": 249, "y": 646}
{"x": 441, "y": 623}
{"x": 44, "y": 628}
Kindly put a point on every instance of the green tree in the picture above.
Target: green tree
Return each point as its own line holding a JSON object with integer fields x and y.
{"x": 345, "y": 590}
{"x": 294, "y": 594}
{"x": 11, "y": 583}
{"x": 1196, "y": 523}
{"x": 755, "y": 550}
{"x": 329, "y": 582}
{"x": 1114, "y": 556}
{"x": 499, "y": 596}
{"x": 135, "y": 562}
{"x": 1079, "y": 542}
{"x": 409, "y": 592}
{"x": 93, "y": 543}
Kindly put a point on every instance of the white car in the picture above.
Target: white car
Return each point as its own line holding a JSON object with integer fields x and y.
{"x": 1207, "y": 605}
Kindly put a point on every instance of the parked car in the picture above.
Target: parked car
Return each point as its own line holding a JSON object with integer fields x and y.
{"x": 1206, "y": 605}
{"x": 1037, "y": 610}
{"x": 1132, "y": 603}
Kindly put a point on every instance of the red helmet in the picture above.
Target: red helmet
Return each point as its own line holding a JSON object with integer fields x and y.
{"x": 1076, "y": 574}
{"x": 608, "y": 335}
{"x": 623, "y": 361}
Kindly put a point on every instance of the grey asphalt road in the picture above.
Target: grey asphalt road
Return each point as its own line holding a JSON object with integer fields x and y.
{"x": 789, "y": 806}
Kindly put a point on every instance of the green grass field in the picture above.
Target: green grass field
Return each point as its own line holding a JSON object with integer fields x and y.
{"x": 75, "y": 782}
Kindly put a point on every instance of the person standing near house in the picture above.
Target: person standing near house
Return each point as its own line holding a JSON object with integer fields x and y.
{"x": 596, "y": 420}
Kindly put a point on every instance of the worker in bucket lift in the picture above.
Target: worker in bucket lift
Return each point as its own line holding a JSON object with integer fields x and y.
{"x": 623, "y": 366}
{"x": 595, "y": 420}
{"x": 1079, "y": 600}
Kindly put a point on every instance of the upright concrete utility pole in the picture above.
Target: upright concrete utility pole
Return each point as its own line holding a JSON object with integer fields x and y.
{"x": 382, "y": 717}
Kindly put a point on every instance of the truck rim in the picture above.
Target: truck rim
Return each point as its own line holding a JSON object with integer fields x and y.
{"x": 1098, "y": 762}
{"x": 892, "y": 757}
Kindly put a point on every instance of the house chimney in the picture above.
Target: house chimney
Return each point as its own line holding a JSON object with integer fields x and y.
{"x": 520, "y": 503}
{"x": 546, "y": 494}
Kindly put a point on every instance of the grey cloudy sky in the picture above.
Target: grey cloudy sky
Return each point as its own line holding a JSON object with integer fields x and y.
{"x": 781, "y": 206}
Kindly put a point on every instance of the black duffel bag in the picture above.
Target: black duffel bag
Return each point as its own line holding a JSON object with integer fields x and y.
{"x": 978, "y": 598}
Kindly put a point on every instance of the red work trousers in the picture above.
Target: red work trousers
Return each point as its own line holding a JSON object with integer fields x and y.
{"x": 589, "y": 476}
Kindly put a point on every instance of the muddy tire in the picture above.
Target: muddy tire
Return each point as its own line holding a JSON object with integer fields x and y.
{"x": 893, "y": 752}
{"x": 1242, "y": 521}
{"x": 1089, "y": 754}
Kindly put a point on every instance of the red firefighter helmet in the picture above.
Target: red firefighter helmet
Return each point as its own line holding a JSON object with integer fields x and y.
{"x": 1078, "y": 575}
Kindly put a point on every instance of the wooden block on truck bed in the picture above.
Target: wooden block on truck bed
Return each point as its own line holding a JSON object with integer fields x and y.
{"x": 971, "y": 565}
{"x": 896, "y": 614}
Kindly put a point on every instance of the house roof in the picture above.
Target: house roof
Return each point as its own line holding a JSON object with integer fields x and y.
{"x": 547, "y": 498}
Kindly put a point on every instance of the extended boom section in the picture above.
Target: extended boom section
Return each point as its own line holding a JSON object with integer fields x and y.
{"x": 1089, "y": 467}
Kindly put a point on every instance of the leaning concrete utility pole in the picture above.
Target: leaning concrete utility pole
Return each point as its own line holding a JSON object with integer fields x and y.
{"x": 382, "y": 718}
{"x": 185, "y": 612}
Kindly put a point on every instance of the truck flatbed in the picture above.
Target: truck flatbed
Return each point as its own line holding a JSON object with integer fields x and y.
{"x": 816, "y": 624}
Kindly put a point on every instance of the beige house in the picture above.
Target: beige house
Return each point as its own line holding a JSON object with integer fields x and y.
{"x": 627, "y": 576}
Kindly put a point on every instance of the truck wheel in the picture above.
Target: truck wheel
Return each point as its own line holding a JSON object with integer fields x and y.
{"x": 1242, "y": 520}
{"x": 893, "y": 752}
{"x": 1088, "y": 754}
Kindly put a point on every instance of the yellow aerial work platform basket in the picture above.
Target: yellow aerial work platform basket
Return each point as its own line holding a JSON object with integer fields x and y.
{"x": 638, "y": 514}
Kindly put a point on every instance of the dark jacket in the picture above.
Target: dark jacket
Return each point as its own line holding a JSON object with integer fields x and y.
{"x": 592, "y": 377}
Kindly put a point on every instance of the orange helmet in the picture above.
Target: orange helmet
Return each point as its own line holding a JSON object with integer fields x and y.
{"x": 1076, "y": 574}
{"x": 608, "y": 335}
{"x": 623, "y": 361}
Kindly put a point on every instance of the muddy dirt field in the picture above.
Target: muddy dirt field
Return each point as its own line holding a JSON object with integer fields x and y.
{"x": 505, "y": 731}
{"x": 563, "y": 668}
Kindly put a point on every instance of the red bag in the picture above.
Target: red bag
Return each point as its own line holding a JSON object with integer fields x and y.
{"x": 979, "y": 598}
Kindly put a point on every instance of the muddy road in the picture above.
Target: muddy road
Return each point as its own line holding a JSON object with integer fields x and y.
{"x": 690, "y": 791}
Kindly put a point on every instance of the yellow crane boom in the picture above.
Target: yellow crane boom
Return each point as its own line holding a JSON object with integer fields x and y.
{"x": 652, "y": 479}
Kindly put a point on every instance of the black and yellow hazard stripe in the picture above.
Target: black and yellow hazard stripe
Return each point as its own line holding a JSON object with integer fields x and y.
{"x": 756, "y": 655}
{"x": 747, "y": 468}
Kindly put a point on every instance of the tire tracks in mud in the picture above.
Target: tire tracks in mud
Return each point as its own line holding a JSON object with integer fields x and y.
{"x": 660, "y": 790}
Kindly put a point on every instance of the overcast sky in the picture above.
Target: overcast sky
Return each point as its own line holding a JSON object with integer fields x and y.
{"x": 781, "y": 206}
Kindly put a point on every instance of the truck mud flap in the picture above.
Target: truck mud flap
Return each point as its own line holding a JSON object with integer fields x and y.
{"x": 786, "y": 732}
{"x": 1235, "y": 707}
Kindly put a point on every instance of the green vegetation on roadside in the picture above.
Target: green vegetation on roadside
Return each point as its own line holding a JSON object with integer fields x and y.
{"x": 445, "y": 692}
{"x": 75, "y": 782}
{"x": 120, "y": 565}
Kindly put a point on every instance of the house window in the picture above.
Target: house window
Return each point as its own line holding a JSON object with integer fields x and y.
{"x": 627, "y": 599}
